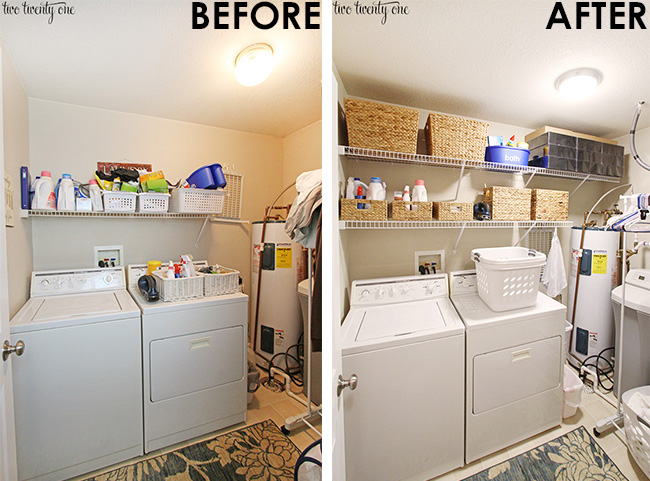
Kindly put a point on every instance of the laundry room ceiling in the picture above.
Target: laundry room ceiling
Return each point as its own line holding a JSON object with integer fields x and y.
{"x": 495, "y": 60}
{"x": 143, "y": 57}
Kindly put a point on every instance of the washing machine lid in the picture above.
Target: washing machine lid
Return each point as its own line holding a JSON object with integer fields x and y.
{"x": 636, "y": 298}
{"x": 68, "y": 310}
{"x": 374, "y": 327}
{"x": 477, "y": 315}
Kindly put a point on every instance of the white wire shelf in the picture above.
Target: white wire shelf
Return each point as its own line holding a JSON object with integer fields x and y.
{"x": 127, "y": 215}
{"x": 435, "y": 224}
{"x": 356, "y": 153}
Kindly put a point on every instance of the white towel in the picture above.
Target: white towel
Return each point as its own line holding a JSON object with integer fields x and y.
{"x": 554, "y": 278}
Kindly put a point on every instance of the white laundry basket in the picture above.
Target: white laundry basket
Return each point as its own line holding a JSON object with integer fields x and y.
{"x": 637, "y": 429}
{"x": 508, "y": 277}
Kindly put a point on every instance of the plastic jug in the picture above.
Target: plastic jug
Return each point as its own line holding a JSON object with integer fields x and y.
{"x": 376, "y": 189}
{"x": 419, "y": 191}
{"x": 95, "y": 195}
{"x": 44, "y": 192}
{"x": 65, "y": 199}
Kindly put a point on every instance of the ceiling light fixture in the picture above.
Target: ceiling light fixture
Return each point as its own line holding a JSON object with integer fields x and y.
{"x": 254, "y": 64}
{"x": 578, "y": 83}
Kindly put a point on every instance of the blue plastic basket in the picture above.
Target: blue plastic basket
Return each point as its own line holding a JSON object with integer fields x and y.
{"x": 500, "y": 154}
{"x": 202, "y": 178}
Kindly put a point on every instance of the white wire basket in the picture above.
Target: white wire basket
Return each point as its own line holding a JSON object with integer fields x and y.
{"x": 637, "y": 429}
{"x": 508, "y": 277}
{"x": 196, "y": 201}
{"x": 227, "y": 282}
{"x": 180, "y": 289}
{"x": 154, "y": 202}
{"x": 119, "y": 201}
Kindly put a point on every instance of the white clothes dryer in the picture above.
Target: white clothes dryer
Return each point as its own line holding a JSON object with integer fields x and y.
{"x": 405, "y": 343}
{"x": 195, "y": 369}
{"x": 514, "y": 368}
{"x": 78, "y": 384}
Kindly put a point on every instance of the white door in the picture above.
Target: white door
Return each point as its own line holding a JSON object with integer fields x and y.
{"x": 8, "y": 470}
{"x": 338, "y": 446}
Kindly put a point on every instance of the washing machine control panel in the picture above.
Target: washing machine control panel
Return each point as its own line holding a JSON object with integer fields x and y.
{"x": 76, "y": 281}
{"x": 398, "y": 289}
{"x": 639, "y": 278}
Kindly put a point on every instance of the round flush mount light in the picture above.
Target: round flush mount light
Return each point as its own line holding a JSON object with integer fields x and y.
{"x": 578, "y": 83}
{"x": 254, "y": 64}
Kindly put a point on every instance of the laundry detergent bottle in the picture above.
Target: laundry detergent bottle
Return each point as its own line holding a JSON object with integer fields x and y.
{"x": 44, "y": 192}
{"x": 65, "y": 199}
{"x": 95, "y": 195}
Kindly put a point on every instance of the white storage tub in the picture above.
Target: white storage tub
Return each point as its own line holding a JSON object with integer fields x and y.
{"x": 637, "y": 429}
{"x": 508, "y": 277}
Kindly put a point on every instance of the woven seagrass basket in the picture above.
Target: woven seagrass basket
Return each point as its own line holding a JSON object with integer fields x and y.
{"x": 508, "y": 203}
{"x": 550, "y": 205}
{"x": 381, "y": 127}
{"x": 423, "y": 211}
{"x": 456, "y": 137}
{"x": 378, "y": 209}
{"x": 453, "y": 211}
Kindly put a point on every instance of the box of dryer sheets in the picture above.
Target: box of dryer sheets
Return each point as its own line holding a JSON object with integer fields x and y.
{"x": 508, "y": 203}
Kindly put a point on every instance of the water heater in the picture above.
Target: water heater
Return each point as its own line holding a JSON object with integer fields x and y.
{"x": 593, "y": 325}
{"x": 282, "y": 265}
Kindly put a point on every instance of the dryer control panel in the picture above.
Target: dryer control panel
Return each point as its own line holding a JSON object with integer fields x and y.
{"x": 398, "y": 289}
{"x": 51, "y": 283}
{"x": 463, "y": 282}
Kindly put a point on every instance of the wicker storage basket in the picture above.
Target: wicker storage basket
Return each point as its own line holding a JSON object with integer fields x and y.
{"x": 508, "y": 203}
{"x": 453, "y": 210}
{"x": 178, "y": 289}
{"x": 381, "y": 127}
{"x": 378, "y": 209}
{"x": 226, "y": 282}
{"x": 423, "y": 211}
{"x": 456, "y": 137}
{"x": 549, "y": 205}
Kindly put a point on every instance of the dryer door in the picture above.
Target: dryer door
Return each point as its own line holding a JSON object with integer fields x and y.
{"x": 509, "y": 375}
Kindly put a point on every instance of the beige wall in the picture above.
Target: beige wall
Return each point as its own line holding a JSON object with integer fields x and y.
{"x": 15, "y": 125}
{"x": 384, "y": 253}
{"x": 301, "y": 152}
{"x": 71, "y": 139}
{"x": 640, "y": 179}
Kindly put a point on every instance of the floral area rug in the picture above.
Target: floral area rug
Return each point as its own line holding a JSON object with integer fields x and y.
{"x": 255, "y": 453}
{"x": 572, "y": 457}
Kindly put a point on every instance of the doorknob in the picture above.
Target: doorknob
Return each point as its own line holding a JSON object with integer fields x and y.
{"x": 343, "y": 383}
{"x": 7, "y": 349}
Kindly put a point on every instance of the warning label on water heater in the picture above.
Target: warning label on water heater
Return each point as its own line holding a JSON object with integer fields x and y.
{"x": 599, "y": 262}
{"x": 283, "y": 258}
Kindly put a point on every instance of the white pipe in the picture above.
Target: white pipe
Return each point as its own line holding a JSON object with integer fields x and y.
{"x": 287, "y": 384}
{"x": 619, "y": 348}
{"x": 632, "y": 133}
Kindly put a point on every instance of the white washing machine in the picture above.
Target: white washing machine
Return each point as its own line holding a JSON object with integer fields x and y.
{"x": 514, "y": 368}
{"x": 78, "y": 384}
{"x": 195, "y": 370}
{"x": 406, "y": 344}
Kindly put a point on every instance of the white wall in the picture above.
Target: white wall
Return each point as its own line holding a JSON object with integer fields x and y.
{"x": 15, "y": 126}
{"x": 301, "y": 152}
{"x": 640, "y": 179}
{"x": 71, "y": 139}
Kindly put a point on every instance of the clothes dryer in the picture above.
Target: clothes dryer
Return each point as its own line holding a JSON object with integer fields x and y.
{"x": 514, "y": 368}
{"x": 195, "y": 369}
{"x": 405, "y": 343}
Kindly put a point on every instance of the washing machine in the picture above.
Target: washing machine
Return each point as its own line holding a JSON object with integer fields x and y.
{"x": 635, "y": 357}
{"x": 195, "y": 370}
{"x": 514, "y": 368}
{"x": 78, "y": 384}
{"x": 405, "y": 343}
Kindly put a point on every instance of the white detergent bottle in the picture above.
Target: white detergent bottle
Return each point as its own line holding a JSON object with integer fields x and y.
{"x": 419, "y": 192}
{"x": 349, "y": 189}
{"x": 406, "y": 197}
{"x": 44, "y": 192}
{"x": 95, "y": 195}
{"x": 65, "y": 200}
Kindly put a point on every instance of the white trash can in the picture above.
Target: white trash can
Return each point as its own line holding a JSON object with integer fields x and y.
{"x": 572, "y": 392}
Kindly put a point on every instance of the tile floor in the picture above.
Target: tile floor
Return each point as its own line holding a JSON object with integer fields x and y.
{"x": 592, "y": 409}
{"x": 266, "y": 405}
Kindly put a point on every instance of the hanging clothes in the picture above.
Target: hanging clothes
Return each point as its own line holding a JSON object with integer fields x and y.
{"x": 302, "y": 220}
